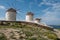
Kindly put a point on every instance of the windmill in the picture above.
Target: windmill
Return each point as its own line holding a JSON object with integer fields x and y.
{"x": 29, "y": 15}
{"x": 12, "y": 10}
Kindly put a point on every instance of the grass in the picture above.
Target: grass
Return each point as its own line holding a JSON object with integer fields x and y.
{"x": 32, "y": 33}
{"x": 2, "y": 36}
{"x": 58, "y": 28}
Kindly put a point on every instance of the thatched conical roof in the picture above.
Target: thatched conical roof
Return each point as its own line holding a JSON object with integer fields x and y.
{"x": 11, "y": 10}
{"x": 29, "y": 13}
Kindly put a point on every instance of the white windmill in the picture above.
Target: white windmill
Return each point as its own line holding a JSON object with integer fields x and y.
{"x": 30, "y": 15}
{"x": 12, "y": 11}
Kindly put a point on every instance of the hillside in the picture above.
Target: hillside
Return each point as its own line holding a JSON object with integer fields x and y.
{"x": 25, "y": 32}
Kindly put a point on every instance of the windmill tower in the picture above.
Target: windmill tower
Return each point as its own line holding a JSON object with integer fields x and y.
{"x": 29, "y": 17}
{"x": 11, "y": 14}
{"x": 37, "y": 20}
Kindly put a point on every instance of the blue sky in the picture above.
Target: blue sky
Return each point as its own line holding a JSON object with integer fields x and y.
{"x": 47, "y": 10}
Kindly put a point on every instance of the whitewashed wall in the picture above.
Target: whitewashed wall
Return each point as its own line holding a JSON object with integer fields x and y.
{"x": 37, "y": 21}
{"x": 29, "y": 18}
{"x": 10, "y": 16}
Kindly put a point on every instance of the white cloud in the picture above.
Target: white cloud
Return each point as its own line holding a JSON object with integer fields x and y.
{"x": 2, "y": 7}
{"x": 2, "y": 18}
{"x": 51, "y": 18}
{"x": 52, "y": 14}
{"x": 49, "y": 2}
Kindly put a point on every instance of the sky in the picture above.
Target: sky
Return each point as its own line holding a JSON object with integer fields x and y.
{"x": 47, "y": 10}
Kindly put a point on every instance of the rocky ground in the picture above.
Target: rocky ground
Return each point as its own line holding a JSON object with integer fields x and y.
{"x": 20, "y": 32}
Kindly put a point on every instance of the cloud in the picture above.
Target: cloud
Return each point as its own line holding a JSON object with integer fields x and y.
{"x": 52, "y": 14}
{"x": 2, "y": 7}
{"x": 49, "y": 2}
{"x": 51, "y": 17}
{"x": 1, "y": 18}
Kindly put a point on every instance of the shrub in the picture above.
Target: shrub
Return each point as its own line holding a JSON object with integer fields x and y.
{"x": 2, "y": 36}
{"x": 52, "y": 36}
{"x": 28, "y": 33}
{"x": 33, "y": 38}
